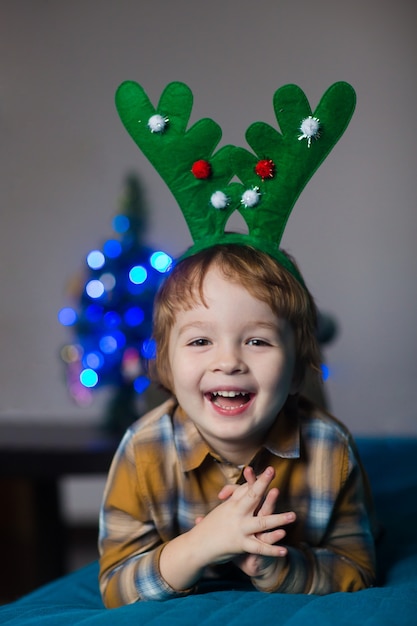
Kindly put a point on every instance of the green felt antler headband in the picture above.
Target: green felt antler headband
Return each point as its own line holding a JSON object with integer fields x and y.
{"x": 271, "y": 178}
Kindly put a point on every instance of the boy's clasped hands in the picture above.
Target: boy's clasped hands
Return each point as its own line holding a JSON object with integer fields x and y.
{"x": 243, "y": 529}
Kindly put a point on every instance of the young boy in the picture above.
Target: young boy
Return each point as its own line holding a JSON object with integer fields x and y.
{"x": 236, "y": 476}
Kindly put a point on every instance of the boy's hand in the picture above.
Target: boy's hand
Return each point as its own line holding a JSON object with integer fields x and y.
{"x": 244, "y": 528}
{"x": 254, "y": 565}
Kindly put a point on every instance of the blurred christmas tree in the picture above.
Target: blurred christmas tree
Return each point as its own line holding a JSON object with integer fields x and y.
{"x": 111, "y": 318}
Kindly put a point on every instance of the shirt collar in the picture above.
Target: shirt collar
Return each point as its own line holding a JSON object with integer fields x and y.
{"x": 191, "y": 447}
{"x": 283, "y": 439}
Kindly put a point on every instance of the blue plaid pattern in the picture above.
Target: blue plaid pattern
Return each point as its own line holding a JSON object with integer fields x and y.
{"x": 164, "y": 475}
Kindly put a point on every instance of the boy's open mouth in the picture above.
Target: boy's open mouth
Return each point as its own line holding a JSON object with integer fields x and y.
{"x": 229, "y": 399}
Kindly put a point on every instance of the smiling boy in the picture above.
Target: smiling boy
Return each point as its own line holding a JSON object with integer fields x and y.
{"x": 237, "y": 475}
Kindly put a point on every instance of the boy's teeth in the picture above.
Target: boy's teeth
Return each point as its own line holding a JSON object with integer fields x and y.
{"x": 230, "y": 399}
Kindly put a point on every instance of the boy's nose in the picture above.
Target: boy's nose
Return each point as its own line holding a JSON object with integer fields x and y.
{"x": 228, "y": 359}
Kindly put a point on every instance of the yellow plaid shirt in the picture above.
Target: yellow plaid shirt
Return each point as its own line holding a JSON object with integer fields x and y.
{"x": 164, "y": 476}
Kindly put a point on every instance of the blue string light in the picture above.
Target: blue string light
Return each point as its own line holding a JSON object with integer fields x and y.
{"x": 89, "y": 378}
{"x": 121, "y": 223}
{"x": 96, "y": 259}
{"x": 94, "y": 360}
{"x": 115, "y": 314}
{"x": 112, "y": 322}
{"x": 93, "y": 313}
{"x": 134, "y": 316}
{"x": 160, "y": 261}
{"x": 94, "y": 288}
{"x": 112, "y": 248}
{"x": 141, "y": 383}
{"x": 148, "y": 349}
{"x": 325, "y": 372}
{"x": 138, "y": 274}
{"x": 112, "y": 319}
{"x": 67, "y": 316}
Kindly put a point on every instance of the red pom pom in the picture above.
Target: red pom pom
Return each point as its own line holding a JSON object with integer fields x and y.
{"x": 201, "y": 169}
{"x": 265, "y": 168}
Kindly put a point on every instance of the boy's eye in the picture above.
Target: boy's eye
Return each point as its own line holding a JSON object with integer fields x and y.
{"x": 199, "y": 342}
{"x": 258, "y": 342}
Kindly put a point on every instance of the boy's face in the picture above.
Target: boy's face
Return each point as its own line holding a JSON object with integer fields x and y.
{"x": 232, "y": 366}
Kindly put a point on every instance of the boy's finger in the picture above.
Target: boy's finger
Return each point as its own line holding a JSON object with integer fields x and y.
{"x": 272, "y": 537}
{"x": 249, "y": 475}
{"x": 263, "y": 523}
{"x": 227, "y": 491}
{"x": 258, "y": 488}
{"x": 263, "y": 549}
{"x": 268, "y": 505}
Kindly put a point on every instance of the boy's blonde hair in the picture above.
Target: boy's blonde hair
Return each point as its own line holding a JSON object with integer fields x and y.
{"x": 263, "y": 277}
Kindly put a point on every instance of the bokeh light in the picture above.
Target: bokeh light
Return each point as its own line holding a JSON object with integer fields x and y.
{"x": 121, "y": 223}
{"x": 94, "y": 288}
{"x": 112, "y": 319}
{"x": 134, "y": 316}
{"x": 112, "y": 248}
{"x": 160, "y": 261}
{"x": 108, "y": 281}
{"x": 108, "y": 344}
{"x": 67, "y": 316}
{"x": 141, "y": 383}
{"x": 95, "y": 259}
{"x": 148, "y": 349}
{"x": 94, "y": 360}
{"x": 89, "y": 378}
{"x": 325, "y": 372}
{"x": 138, "y": 274}
{"x": 94, "y": 313}
{"x": 70, "y": 353}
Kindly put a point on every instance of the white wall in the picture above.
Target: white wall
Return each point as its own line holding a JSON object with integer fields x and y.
{"x": 64, "y": 155}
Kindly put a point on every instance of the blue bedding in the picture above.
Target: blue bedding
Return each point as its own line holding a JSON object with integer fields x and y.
{"x": 392, "y": 469}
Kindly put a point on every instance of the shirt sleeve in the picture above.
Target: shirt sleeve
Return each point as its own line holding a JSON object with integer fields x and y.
{"x": 344, "y": 559}
{"x": 129, "y": 542}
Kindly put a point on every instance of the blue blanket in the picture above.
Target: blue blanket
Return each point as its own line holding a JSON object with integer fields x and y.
{"x": 392, "y": 469}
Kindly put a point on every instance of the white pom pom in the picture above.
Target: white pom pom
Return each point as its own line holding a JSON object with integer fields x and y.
{"x": 250, "y": 198}
{"x": 157, "y": 123}
{"x": 219, "y": 200}
{"x": 310, "y": 129}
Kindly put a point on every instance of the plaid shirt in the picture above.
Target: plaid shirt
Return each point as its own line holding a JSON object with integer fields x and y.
{"x": 164, "y": 475}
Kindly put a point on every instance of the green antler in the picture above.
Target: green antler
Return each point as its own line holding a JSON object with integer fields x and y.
{"x": 285, "y": 162}
{"x": 272, "y": 178}
{"x": 198, "y": 179}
